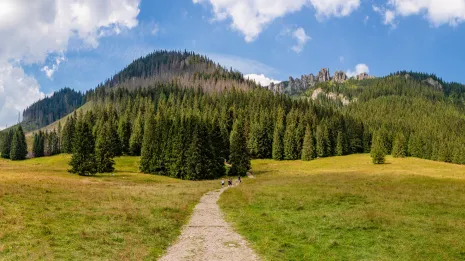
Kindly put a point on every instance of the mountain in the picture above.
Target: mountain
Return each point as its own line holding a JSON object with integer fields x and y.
{"x": 160, "y": 67}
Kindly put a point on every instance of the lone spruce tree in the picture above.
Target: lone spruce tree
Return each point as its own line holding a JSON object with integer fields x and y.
{"x": 104, "y": 152}
{"x": 378, "y": 151}
{"x": 308, "y": 148}
{"x": 239, "y": 157}
{"x": 18, "y": 145}
{"x": 83, "y": 160}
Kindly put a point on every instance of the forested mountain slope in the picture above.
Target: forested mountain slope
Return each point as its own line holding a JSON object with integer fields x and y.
{"x": 420, "y": 110}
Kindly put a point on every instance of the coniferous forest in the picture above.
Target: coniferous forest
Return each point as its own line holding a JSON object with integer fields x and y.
{"x": 186, "y": 116}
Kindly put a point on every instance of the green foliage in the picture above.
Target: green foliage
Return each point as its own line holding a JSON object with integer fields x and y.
{"x": 308, "y": 148}
{"x": 239, "y": 157}
{"x": 7, "y": 137}
{"x": 38, "y": 147}
{"x": 399, "y": 147}
{"x": 104, "y": 151}
{"x": 378, "y": 149}
{"x": 18, "y": 149}
{"x": 83, "y": 161}
{"x": 278, "y": 135}
{"x": 67, "y": 137}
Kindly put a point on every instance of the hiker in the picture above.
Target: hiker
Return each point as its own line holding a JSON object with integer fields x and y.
{"x": 229, "y": 182}
{"x": 239, "y": 179}
{"x": 222, "y": 183}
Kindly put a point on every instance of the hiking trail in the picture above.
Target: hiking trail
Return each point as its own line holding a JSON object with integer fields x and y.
{"x": 208, "y": 236}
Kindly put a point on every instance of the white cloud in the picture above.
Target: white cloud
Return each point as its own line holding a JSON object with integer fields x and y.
{"x": 359, "y": 69}
{"x": 437, "y": 12}
{"x": 250, "y": 17}
{"x": 261, "y": 79}
{"x": 341, "y": 59}
{"x": 388, "y": 15}
{"x": 17, "y": 91}
{"x": 365, "y": 21}
{"x": 302, "y": 39}
{"x": 34, "y": 30}
{"x": 49, "y": 71}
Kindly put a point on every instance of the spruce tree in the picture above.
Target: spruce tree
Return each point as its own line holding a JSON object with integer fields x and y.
{"x": 322, "y": 142}
{"x": 340, "y": 146}
{"x": 124, "y": 134}
{"x": 6, "y": 145}
{"x": 83, "y": 161}
{"x": 378, "y": 151}
{"x": 399, "y": 147}
{"x": 67, "y": 138}
{"x": 137, "y": 136}
{"x": 239, "y": 157}
{"x": 18, "y": 149}
{"x": 308, "y": 148}
{"x": 278, "y": 135}
{"x": 104, "y": 152}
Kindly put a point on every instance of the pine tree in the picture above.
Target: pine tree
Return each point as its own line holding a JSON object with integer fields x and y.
{"x": 308, "y": 149}
{"x": 149, "y": 162}
{"x": 137, "y": 136}
{"x": 104, "y": 152}
{"x": 378, "y": 151}
{"x": 6, "y": 145}
{"x": 239, "y": 157}
{"x": 399, "y": 147}
{"x": 278, "y": 135}
{"x": 38, "y": 145}
{"x": 322, "y": 141}
{"x": 18, "y": 149}
{"x": 67, "y": 138}
{"x": 290, "y": 142}
{"x": 83, "y": 161}
{"x": 340, "y": 144}
{"x": 124, "y": 134}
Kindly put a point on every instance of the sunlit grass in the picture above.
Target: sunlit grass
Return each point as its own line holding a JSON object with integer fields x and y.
{"x": 47, "y": 213}
{"x": 346, "y": 208}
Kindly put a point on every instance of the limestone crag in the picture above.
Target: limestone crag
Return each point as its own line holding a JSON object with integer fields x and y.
{"x": 340, "y": 77}
{"x": 296, "y": 86}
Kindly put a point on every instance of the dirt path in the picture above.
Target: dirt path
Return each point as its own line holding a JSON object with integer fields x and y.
{"x": 208, "y": 236}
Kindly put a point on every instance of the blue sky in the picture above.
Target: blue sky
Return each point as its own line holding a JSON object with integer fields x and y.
{"x": 253, "y": 36}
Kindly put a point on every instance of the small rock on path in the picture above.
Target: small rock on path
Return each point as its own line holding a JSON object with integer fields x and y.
{"x": 208, "y": 236}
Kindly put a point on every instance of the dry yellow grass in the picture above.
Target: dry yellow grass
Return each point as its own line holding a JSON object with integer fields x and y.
{"x": 47, "y": 213}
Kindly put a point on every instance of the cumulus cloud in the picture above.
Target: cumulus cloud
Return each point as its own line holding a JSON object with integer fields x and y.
{"x": 261, "y": 79}
{"x": 250, "y": 17}
{"x": 302, "y": 38}
{"x": 156, "y": 29}
{"x": 437, "y": 12}
{"x": 359, "y": 69}
{"x": 17, "y": 91}
{"x": 34, "y": 30}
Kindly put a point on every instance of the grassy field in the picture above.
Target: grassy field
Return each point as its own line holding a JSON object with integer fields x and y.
{"x": 48, "y": 214}
{"x": 346, "y": 208}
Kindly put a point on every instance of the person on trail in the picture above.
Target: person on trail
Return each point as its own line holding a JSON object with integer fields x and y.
{"x": 222, "y": 183}
{"x": 239, "y": 179}
{"x": 229, "y": 182}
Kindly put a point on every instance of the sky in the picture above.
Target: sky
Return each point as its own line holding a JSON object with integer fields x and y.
{"x": 50, "y": 44}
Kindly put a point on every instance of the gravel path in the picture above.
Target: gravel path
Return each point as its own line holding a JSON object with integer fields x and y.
{"x": 208, "y": 236}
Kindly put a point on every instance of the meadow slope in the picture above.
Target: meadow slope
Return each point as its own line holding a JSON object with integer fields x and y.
{"x": 48, "y": 214}
{"x": 345, "y": 208}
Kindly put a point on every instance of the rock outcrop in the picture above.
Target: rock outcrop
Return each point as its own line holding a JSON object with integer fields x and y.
{"x": 340, "y": 77}
{"x": 296, "y": 86}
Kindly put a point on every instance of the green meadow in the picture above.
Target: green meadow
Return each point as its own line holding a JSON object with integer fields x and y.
{"x": 48, "y": 214}
{"x": 346, "y": 208}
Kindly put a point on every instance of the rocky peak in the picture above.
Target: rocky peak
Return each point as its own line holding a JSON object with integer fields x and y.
{"x": 363, "y": 76}
{"x": 323, "y": 75}
{"x": 340, "y": 77}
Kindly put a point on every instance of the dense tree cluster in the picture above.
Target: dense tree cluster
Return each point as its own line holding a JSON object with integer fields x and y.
{"x": 13, "y": 144}
{"x": 51, "y": 109}
{"x": 46, "y": 144}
